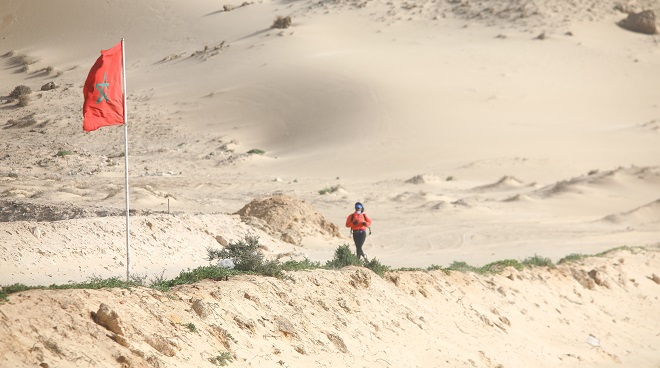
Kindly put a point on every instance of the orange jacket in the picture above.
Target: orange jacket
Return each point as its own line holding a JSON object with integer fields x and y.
{"x": 361, "y": 219}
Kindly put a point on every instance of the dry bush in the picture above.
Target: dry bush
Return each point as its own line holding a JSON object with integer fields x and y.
{"x": 24, "y": 60}
{"x": 282, "y": 22}
{"x": 22, "y": 94}
{"x": 23, "y": 100}
{"x": 23, "y": 122}
{"x": 20, "y": 90}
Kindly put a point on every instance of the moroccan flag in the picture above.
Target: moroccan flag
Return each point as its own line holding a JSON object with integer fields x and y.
{"x": 104, "y": 92}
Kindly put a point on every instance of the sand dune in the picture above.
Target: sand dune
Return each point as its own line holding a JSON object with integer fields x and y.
{"x": 471, "y": 130}
{"x": 350, "y": 121}
{"x": 648, "y": 214}
{"x": 505, "y": 183}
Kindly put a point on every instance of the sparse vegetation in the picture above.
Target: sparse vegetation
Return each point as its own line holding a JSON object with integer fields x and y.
{"x": 462, "y": 267}
{"x": 343, "y": 257}
{"x": 22, "y": 94}
{"x": 499, "y": 266}
{"x": 332, "y": 189}
{"x": 222, "y": 360}
{"x": 12, "y": 175}
{"x": 62, "y": 153}
{"x": 377, "y": 267}
{"x": 248, "y": 259}
{"x": 573, "y": 257}
{"x": 24, "y": 100}
{"x": 93, "y": 283}
{"x": 415, "y": 269}
{"x": 23, "y": 60}
{"x": 192, "y": 276}
{"x": 494, "y": 267}
{"x": 15, "y": 288}
{"x": 305, "y": 264}
{"x": 99, "y": 283}
{"x": 191, "y": 327}
{"x": 449, "y": 178}
{"x": 256, "y": 151}
{"x": 538, "y": 261}
{"x": 282, "y": 22}
{"x": 23, "y": 122}
{"x": 20, "y": 90}
{"x": 245, "y": 253}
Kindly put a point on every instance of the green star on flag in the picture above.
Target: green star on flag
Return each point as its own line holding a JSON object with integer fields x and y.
{"x": 101, "y": 87}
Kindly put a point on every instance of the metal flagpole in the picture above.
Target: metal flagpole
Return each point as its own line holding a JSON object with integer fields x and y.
{"x": 128, "y": 229}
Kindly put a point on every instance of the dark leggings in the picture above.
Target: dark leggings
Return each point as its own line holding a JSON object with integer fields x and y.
{"x": 359, "y": 236}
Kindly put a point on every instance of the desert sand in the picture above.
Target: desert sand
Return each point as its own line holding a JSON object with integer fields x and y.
{"x": 471, "y": 130}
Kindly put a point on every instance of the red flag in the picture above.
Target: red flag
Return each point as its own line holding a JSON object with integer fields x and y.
{"x": 104, "y": 92}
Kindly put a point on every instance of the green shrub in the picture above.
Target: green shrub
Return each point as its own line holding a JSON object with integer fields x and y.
{"x": 494, "y": 267}
{"x": 245, "y": 253}
{"x": 462, "y": 267}
{"x": 499, "y": 266}
{"x": 222, "y": 359}
{"x": 256, "y": 151}
{"x": 573, "y": 257}
{"x": 332, "y": 189}
{"x": 92, "y": 283}
{"x": 98, "y": 283}
{"x": 247, "y": 256}
{"x": 191, "y": 327}
{"x": 538, "y": 261}
{"x": 377, "y": 267}
{"x": 192, "y": 276}
{"x": 62, "y": 153}
{"x": 14, "y": 288}
{"x": 343, "y": 257}
{"x": 305, "y": 264}
{"x": 269, "y": 268}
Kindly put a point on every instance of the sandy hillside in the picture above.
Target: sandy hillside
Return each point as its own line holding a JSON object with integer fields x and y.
{"x": 471, "y": 130}
{"x": 598, "y": 312}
